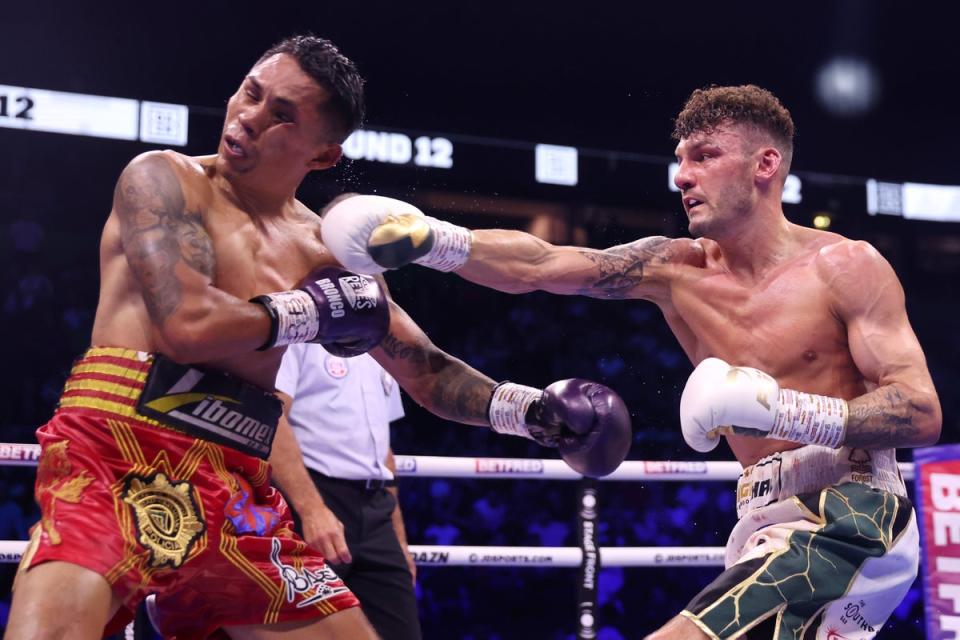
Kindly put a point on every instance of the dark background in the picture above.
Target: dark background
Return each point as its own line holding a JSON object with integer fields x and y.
{"x": 495, "y": 78}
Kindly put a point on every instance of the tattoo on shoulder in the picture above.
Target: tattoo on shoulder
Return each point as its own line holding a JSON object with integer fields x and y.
{"x": 158, "y": 231}
{"x": 621, "y": 268}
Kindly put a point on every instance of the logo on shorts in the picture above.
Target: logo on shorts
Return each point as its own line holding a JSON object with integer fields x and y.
{"x": 166, "y": 517}
{"x": 216, "y": 405}
{"x": 853, "y": 613}
{"x": 861, "y": 465}
{"x": 316, "y": 585}
{"x": 360, "y": 292}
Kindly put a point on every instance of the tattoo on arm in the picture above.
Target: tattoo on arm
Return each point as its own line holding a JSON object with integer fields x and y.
{"x": 456, "y": 391}
{"x": 157, "y": 232}
{"x": 621, "y": 268}
{"x": 394, "y": 347}
{"x": 881, "y": 419}
{"x": 462, "y": 393}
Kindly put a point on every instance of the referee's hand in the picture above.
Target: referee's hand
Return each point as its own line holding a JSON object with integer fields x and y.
{"x": 323, "y": 531}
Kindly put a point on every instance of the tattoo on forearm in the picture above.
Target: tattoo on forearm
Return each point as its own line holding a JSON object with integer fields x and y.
{"x": 881, "y": 419}
{"x": 462, "y": 393}
{"x": 399, "y": 350}
{"x": 457, "y": 391}
{"x": 157, "y": 232}
{"x": 621, "y": 268}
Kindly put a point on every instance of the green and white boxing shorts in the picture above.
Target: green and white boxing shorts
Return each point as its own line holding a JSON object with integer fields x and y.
{"x": 825, "y": 549}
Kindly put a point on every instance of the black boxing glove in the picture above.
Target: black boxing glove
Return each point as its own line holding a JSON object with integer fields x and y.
{"x": 586, "y": 421}
{"x": 347, "y": 313}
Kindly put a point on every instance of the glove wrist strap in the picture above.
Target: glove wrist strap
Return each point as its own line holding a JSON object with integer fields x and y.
{"x": 294, "y": 317}
{"x": 508, "y": 408}
{"x": 810, "y": 419}
{"x": 451, "y": 246}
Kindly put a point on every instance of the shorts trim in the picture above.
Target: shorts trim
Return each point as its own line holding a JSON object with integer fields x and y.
{"x": 751, "y": 579}
{"x": 692, "y": 617}
{"x": 795, "y": 576}
{"x": 228, "y": 547}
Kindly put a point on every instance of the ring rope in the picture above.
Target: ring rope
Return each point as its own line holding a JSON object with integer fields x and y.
{"x": 474, "y": 556}
{"x": 20, "y": 454}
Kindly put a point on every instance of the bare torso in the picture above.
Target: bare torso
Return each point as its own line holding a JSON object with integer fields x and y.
{"x": 253, "y": 254}
{"x": 783, "y": 323}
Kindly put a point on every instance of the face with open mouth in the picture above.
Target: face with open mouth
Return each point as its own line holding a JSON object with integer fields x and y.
{"x": 714, "y": 179}
{"x": 275, "y": 124}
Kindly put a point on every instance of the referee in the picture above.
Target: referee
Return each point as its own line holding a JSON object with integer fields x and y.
{"x": 344, "y": 492}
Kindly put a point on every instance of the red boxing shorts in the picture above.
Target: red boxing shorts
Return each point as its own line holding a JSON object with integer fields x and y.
{"x": 155, "y": 510}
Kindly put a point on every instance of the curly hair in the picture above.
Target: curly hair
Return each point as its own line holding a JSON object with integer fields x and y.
{"x": 321, "y": 60}
{"x": 708, "y": 108}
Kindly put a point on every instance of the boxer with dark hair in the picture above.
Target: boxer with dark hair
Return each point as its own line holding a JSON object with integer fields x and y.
{"x": 153, "y": 477}
{"x": 805, "y": 362}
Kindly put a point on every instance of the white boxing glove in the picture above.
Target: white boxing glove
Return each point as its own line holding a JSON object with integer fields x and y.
{"x": 370, "y": 234}
{"x": 720, "y": 399}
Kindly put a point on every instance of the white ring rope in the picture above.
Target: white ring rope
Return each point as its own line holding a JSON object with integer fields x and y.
{"x": 17, "y": 454}
{"x": 471, "y": 556}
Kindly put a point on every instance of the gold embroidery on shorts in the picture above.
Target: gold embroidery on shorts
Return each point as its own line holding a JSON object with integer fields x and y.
{"x": 28, "y": 553}
{"x": 53, "y": 485}
{"x": 166, "y": 517}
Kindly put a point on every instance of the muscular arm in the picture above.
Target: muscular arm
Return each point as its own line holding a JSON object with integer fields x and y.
{"x": 517, "y": 262}
{"x": 445, "y": 385}
{"x": 903, "y": 410}
{"x": 171, "y": 256}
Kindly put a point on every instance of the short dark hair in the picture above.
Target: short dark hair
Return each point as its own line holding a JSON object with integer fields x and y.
{"x": 321, "y": 60}
{"x": 709, "y": 107}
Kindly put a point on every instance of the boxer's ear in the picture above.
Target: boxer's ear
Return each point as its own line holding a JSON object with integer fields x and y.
{"x": 769, "y": 160}
{"x": 328, "y": 155}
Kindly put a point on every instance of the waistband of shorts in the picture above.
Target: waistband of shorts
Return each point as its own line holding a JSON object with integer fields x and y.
{"x": 811, "y": 468}
{"x": 112, "y": 381}
{"x": 108, "y": 380}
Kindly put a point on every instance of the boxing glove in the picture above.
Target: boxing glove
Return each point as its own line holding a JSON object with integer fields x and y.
{"x": 371, "y": 234}
{"x": 586, "y": 421}
{"x": 345, "y": 312}
{"x": 720, "y": 399}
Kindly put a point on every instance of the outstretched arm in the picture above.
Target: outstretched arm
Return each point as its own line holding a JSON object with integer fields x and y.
{"x": 903, "y": 410}
{"x": 444, "y": 385}
{"x": 371, "y": 233}
{"x": 518, "y": 262}
{"x": 587, "y": 421}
